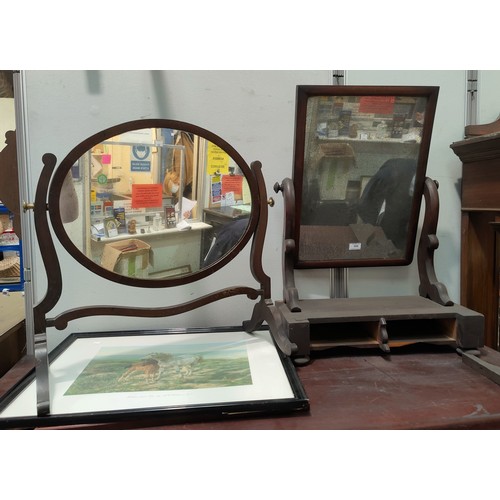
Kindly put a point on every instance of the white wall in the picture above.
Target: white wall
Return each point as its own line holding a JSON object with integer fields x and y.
{"x": 488, "y": 96}
{"x": 254, "y": 111}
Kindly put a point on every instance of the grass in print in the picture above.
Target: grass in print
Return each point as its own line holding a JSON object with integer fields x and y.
{"x": 160, "y": 368}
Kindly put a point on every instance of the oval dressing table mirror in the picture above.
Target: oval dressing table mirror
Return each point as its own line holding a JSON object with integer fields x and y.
{"x": 153, "y": 204}
{"x": 359, "y": 178}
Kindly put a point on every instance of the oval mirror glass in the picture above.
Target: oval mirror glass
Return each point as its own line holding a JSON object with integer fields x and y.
{"x": 157, "y": 201}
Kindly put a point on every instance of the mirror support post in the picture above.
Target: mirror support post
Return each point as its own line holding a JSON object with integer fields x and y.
{"x": 42, "y": 375}
{"x": 260, "y": 233}
{"x": 265, "y": 310}
{"x": 338, "y": 283}
{"x": 290, "y": 292}
{"x": 54, "y": 287}
{"x": 430, "y": 287}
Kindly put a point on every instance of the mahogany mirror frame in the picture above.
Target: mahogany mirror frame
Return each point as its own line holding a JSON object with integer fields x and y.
{"x": 306, "y": 92}
{"x": 66, "y": 164}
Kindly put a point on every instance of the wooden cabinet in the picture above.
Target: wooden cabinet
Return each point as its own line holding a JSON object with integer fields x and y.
{"x": 480, "y": 236}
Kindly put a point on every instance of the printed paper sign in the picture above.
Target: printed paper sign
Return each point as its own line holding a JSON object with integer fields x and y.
{"x": 379, "y": 104}
{"x": 140, "y": 160}
{"x": 217, "y": 160}
{"x": 146, "y": 195}
{"x": 216, "y": 189}
{"x": 232, "y": 183}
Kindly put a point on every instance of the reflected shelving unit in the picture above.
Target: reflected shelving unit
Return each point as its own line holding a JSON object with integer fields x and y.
{"x": 12, "y": 277}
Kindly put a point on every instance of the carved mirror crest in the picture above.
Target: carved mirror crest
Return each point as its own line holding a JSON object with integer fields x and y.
{"x": 359, "y": 172}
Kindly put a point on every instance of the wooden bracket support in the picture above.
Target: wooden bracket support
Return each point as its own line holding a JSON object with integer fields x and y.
{"x": 382, "y": 336}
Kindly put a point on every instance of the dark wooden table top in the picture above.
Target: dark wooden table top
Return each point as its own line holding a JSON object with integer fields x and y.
{"x": 414, "y": 388}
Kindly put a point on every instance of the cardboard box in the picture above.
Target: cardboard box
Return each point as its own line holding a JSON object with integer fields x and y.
{"x": 4, "y": 222}
{"x": 12, "y": 330}
{"x": 128, "y": 257}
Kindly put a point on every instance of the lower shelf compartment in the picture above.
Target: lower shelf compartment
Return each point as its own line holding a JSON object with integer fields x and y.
{"x": 385, "y": 322}
{"x": 364, "y": 334}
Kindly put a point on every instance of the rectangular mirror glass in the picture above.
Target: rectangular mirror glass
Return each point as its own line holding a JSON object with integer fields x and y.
{"x": 359, "y": 170}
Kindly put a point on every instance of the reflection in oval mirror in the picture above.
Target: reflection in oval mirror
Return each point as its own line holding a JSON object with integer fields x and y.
{"x": 155, "y": 203}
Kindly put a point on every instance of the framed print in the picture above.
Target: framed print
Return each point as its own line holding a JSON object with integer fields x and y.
{"x": 359, "y": 171}
{"x": 194, "y": 375}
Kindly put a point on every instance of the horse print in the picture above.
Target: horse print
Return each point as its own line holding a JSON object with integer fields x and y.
{"x": 165, "y": 368}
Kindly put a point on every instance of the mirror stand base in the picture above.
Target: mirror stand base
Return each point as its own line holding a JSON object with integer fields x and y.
{"x": 384, "y": 323}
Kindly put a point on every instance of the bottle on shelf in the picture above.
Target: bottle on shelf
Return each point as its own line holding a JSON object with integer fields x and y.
{"x": 156, "y": 222}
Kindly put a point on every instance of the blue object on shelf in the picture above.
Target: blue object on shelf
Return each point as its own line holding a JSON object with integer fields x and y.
{"x": 15, "y": 286}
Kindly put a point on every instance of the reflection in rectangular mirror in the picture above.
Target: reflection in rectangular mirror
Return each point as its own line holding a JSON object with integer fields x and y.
{"x": 152, "y": 202}
{"x": 360, "y": 159}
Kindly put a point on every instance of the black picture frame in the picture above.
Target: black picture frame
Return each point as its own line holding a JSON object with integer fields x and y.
{"x": 169, "y": 414}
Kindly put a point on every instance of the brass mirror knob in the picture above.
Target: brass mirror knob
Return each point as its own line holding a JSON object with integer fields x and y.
{"x": 270, "y": 202}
